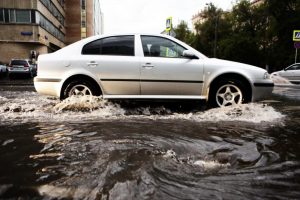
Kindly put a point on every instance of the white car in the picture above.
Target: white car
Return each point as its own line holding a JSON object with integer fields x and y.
{"x": 291, "y": 73}
{"x": 3, "y": 68}
{"x": 20, "y": 66}
{"x": 147, "y": 66}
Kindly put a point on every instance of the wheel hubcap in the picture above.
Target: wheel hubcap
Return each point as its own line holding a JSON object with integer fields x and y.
{"x": 80, "y": 90}
{"x": 229, "y": 95}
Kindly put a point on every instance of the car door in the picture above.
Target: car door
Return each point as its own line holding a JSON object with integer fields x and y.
{"x": 165, "y": 72}
{"x": 114, "y": 62}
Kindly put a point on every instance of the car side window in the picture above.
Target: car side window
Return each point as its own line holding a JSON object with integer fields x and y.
{"x": 92, "y": 48}
{"x": 118, "y": 46}
{"x": 161, "y": 47}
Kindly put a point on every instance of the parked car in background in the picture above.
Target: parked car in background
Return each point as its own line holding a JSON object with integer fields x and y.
{"x": 147, "y": 66}
{"x": 3, "y": 68}
{"x": 291, "y": 73}
{"x": 21, "y": 66}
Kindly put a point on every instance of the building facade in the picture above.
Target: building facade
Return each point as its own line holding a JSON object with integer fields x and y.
{"x": 43, "y": 26}
{"x": 83, "y": 15}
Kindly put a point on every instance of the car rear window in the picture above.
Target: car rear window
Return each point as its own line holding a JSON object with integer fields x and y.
{"x": 117, "y": 45}
{"x": 19, "y": 62}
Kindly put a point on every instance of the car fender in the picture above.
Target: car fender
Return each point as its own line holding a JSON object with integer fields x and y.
{"x": 211, "y": 74}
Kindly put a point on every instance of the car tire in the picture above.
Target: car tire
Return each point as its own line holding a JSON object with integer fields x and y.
{"x": 228, "y": 92}
{"x": 79, "y": 87}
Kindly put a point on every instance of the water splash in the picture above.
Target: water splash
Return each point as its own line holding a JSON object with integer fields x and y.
{"x": 88, "y": 104}
{"x": 253, "y": 112}
{"x": 278, "y": 80}
{"x": 29, "y": 106}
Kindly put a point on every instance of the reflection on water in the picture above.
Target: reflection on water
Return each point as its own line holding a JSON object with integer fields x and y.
{"x": 94, "y": 149}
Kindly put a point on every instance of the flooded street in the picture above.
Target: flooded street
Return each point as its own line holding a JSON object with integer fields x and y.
{"x": 89, "y": 148}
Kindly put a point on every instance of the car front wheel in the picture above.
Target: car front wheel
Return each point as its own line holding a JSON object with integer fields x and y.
{"x": 228, "y": 92}
{"x": 79, "y": 88}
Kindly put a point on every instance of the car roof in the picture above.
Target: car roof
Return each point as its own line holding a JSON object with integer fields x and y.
{"x": 19, "y": 59}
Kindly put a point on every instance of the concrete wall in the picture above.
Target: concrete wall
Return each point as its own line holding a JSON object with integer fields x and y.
{"x": 73, "y": 17}
{"x": 11, "y": 32}
{"x": 10, "y": 50}
{"x": 19, "y": 4}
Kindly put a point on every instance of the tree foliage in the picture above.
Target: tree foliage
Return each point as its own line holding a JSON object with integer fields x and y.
{"x": 259, "y": 35}
{"x": 183, "y": 33}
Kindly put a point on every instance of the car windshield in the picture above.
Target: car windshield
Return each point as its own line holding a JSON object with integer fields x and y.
{"x": 19, "y": 62}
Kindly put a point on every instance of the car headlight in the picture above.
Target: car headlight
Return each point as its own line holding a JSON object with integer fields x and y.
{"x": 266, "y": 75}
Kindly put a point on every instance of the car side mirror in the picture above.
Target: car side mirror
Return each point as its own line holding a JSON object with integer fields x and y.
{"x": 189, "y": 54}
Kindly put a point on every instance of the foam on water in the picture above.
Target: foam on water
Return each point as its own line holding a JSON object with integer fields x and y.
{"x": 206, "y": 165}
{"x": 31, "y": 107}
{"x": 253, "y": 112}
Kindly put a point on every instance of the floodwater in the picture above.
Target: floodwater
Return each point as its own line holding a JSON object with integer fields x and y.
{"x": 88, "y": 148}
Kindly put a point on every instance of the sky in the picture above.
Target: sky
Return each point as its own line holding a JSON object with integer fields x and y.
{"x": 149, "y": 16}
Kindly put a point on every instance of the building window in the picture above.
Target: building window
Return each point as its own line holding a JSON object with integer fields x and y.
{"x": 161, "y": 47}
{"x": 48, "y": 26}
{"x": 83, "y": 19}
{"x": 12, "y": 16}
{"x": 23, "y": 16}
{"x": 1, "y": 15}
{"x": 62, "y": 3}
{"x": 55, "y": 12}
{"x": 83, "y": 4}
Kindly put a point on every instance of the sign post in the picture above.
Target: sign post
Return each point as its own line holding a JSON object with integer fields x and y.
{"x": 296, "y": 39}
{"x": 169, "y": 25}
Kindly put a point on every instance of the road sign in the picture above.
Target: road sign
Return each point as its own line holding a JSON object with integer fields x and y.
{"x": 297, "y": 45}
{"x": 296, "y": 35}
{"x": 169, "y": 24}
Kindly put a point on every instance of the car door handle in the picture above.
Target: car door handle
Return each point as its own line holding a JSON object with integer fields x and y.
{"x": 148, "y": 65}
{"x": 92, "y": 64}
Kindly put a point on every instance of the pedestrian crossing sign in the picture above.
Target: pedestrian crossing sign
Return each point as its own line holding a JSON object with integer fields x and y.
{"x": 169, "y": 24}
{"x": 296, "y": 35}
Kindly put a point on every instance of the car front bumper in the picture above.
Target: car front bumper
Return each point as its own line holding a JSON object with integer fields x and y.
{"x": 261, "y": 90}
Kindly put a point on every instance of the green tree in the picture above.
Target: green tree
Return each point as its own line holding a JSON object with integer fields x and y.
{"x": 183, "y": 33}
{"x": 284, "y": 18}
{"x": 255, "y": 34}
{"x": 211, "y": 31}
{"x": 242, "y": 42}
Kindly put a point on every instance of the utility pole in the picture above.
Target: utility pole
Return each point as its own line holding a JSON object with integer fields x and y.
{"x": 296, "y": 55}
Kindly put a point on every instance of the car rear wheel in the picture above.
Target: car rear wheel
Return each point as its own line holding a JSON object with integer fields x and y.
{"x": 79, "y": 88}
{"x": 228, "y": 92}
